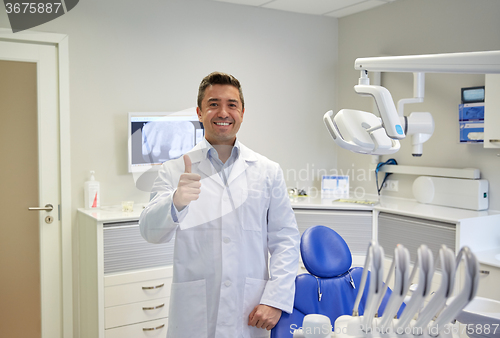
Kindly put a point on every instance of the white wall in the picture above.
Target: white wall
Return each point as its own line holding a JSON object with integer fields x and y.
{"x": 419, "y": 27}
{"x": 127, "y": 56}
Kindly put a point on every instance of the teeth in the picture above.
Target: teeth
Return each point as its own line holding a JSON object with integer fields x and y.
{"x": 222, "y": 123}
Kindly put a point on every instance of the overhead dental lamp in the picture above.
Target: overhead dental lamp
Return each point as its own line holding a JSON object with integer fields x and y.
{"x": 365, "y": 133}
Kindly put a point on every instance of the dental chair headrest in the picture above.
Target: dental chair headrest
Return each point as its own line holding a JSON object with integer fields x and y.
{"x": 324, "y": 252}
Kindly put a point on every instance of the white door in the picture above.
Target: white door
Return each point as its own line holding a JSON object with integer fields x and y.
{"x": 30, "y": 245}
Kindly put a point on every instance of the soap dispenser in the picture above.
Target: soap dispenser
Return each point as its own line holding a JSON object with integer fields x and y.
{"x": 92, "y": 193}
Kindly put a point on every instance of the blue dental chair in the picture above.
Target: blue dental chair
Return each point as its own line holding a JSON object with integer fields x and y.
{"x": 330, "y": 288}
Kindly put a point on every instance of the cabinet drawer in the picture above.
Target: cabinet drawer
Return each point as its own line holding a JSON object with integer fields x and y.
{"x": 137, "y": 292}
{"x": 151, "y": 329}
{"x": 135, "y": 313}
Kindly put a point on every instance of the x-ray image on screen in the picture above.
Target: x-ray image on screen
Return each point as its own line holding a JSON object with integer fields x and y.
{"x": 166, "y": 140}
{"x": 155, "y": 139}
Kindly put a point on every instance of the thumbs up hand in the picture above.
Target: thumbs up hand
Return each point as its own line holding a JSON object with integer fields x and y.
{"x": 188, "y": 188}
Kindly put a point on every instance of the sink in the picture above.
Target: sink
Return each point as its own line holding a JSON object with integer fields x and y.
{"x": 481, "y": 312}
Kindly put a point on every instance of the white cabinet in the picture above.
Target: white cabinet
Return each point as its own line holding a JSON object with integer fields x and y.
{"x": 492, "y": 111}
{"x": 412, "y": 224}
{"x": 124, "y": 281}
{"x": 401, "y": 221}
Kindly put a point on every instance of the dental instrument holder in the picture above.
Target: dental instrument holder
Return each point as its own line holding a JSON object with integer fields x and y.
{"x": 438, "y": 301}
{"x": 401, "y": 263}
{"x": 405, "y": 327}
{"x": 375, "y": 260}
{"x": 425, "y": 264}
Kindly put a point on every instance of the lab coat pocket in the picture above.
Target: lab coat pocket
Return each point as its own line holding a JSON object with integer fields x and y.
{"x": 254, "y": 288}
{"x": 188, "y": 310}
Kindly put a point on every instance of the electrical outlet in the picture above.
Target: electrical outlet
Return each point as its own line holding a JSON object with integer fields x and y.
{"x": 391, "y": 185}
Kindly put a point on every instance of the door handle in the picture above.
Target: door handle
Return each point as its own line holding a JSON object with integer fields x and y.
{"x": 47, "y": 207}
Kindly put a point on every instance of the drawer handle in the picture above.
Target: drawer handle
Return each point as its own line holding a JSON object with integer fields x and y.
{"x": 494, "y": 141}
{"x": 153, "y": 307}
{"x": 153, "y": 287}
{"x": 484, "y": 272}
{"x": 153, "y": 328}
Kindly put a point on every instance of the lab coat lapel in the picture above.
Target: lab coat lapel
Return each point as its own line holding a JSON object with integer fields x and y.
{"x": 238, "y": 168}
{"x": 241, "y": 164}
{"x": 208, "y": 169}
{"x": 200, "y": 159}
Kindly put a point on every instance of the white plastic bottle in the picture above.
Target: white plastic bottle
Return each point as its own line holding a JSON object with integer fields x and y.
{"x": 92, "y": 193}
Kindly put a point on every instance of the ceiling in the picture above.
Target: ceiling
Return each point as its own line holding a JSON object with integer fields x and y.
{"x": 332, "y": 8}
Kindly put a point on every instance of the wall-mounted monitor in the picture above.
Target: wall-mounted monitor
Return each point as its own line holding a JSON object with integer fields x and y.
{"x": 473, "y": 94}
{"x": 155, "y": 138}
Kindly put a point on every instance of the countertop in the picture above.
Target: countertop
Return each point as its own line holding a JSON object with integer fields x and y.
{"x": 113, "y": 213}
{"x": 489, "y": 257}
{"x": 334, "y": 203}
{"x": 412, "y": 208}
{"x": 401, "y": 206}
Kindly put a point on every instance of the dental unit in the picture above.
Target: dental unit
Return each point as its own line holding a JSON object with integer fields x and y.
{"x": 365, "y": 133}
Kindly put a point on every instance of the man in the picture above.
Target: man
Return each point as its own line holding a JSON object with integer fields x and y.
{"x": 228, "y": 208}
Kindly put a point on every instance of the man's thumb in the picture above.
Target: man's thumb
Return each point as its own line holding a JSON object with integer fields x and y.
{"x": 187, "y": 164}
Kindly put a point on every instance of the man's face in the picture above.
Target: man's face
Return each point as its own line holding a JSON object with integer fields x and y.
{"x": 221, "y": 114}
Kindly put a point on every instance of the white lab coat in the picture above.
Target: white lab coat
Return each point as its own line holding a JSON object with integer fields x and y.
{"x": 221, "y": 264}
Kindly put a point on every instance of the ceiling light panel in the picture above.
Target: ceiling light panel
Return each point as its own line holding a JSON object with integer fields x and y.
{"x": 356, "y": 8}
{"x": 317, "y": 7}
{"x": 246, "y": 2}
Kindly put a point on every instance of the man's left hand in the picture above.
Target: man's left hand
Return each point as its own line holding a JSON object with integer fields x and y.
{"x": 264, "y": 317}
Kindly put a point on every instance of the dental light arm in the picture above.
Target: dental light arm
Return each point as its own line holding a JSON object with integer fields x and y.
{"x": 385, "y": 104}
{"x": 362, "y": 135}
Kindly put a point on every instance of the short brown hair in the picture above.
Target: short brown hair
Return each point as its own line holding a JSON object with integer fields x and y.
{"x": 221, "y": 79}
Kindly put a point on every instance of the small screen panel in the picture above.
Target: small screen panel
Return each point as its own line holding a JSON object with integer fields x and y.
{"x": 155, "y": 138}
{"x": 473, "y": 94}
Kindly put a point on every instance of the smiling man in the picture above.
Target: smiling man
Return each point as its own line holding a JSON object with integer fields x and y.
{"x": 228, "y": 209}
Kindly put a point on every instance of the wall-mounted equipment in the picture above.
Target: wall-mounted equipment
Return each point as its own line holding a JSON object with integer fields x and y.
{"x": 366, "y": 133}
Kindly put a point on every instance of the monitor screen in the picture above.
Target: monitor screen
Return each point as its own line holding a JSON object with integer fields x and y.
{"x": 473, "y": 94}
{"x": 158, "y": 137}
